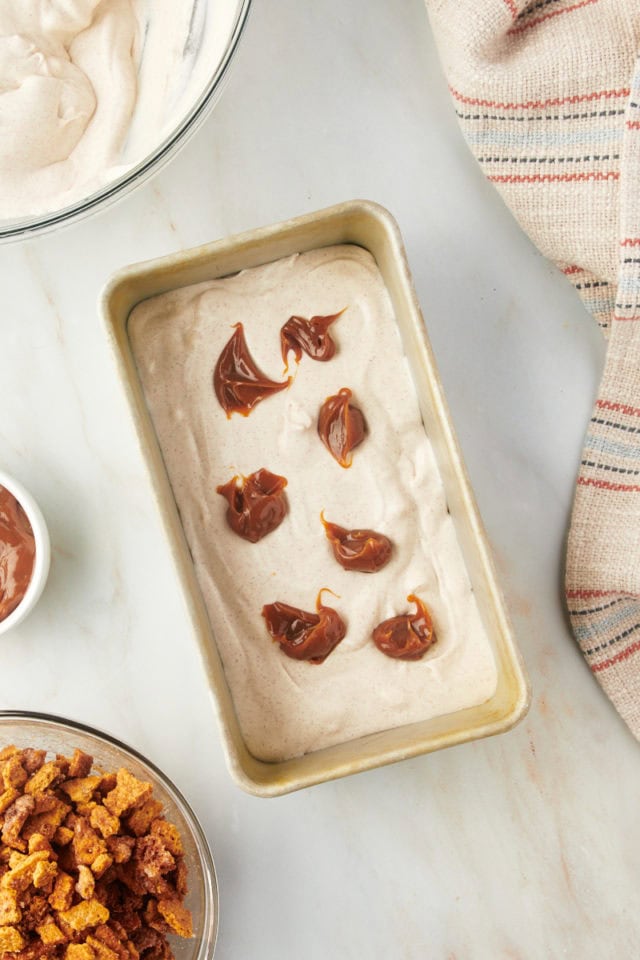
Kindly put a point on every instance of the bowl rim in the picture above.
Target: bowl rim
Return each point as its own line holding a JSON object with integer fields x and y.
{"x": 42, "y": 560}
{"x": 209, "y": 935}
{"x": 23, "y": 227}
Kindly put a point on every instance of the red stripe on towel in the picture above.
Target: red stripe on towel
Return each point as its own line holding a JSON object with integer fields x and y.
{"x": 614, "y": 405}
{"x": 553, "y": 102}
{"x": 623, "y": 655}
{"x": 596, "y": 594}
{"x": 554, "y": 177}
{"x": 549, "y": 16}
{"x": 607, "y": 485}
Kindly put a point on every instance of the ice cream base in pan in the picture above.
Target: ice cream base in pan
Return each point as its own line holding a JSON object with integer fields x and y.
{"x": 285, "y": 707}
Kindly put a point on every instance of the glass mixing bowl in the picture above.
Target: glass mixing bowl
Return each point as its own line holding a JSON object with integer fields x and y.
{"x": 57, "y": 735}
{"x": 215, "y": 28}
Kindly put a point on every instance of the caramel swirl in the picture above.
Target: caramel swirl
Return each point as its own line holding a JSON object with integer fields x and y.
{"x": 257, "y": 504}
{"x": 341, "y": 426}
{"x": 303, "y": 635}
{"x": 406, "y": 637}
{"x": 17, "y": 553}
{"x": 238, "y": 382}
{"x": 308, "y": 336}
{"x": 364, "y": 550}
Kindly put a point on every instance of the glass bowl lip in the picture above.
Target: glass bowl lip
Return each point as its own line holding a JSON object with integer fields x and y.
{"x": 210, "y": 925}
{"x": 25, "y": 227}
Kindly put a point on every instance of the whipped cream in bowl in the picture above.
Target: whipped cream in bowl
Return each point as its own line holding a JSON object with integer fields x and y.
{"x": 95, "y": 95}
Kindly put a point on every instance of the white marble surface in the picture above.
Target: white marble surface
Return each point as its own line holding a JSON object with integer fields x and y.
{"x": 523, "y": 846}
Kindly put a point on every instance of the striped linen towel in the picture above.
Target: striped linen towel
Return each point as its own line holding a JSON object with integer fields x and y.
{"x": 548, "y": 96}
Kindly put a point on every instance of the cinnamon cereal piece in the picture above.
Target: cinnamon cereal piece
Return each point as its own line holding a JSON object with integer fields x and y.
{"x": 9, "y": 751}
{"x": 10, "y": 912}
{"x": 101, "y": 863}
{"x": 101, "y": 950}
{"x": 177, "y": 916}
{"x": 62, "y": 896}
{"x": 152, "y": 944}
{"x": 46, "y": 802}
{"x": 35, "y": 910}
{"x": 86, "y": 884}
{"x": 87, "y": 913}
{"x": 79, "y": 951}
{"x": 86, "y": 843}
{"x": 14, "y": 820}
{"x": 15, "y": 857}
{"x": 44, "y": 875}
{"x": 139, "y": 822}
{"x": 37, "y": 841}
{"x": 152, "y": 857}
{"x": 112, "y": 936}
{"x": 36, "y": 950}
{"x": 104, "y": 822}
{"x": 11, "y": 940}
{"x": 80, "y": 764}
{"x": 85, "y": 809}
{"x": 46, "y": 822}
{"x": 62, "y": 836}
{"x": 13, "y": 773}
{"x": 21, "y": 876}
{"x": 81, "y": 789}
{"x": 115, "y": 939}
{"x": 180, "y": 878}
{"x": 48, "y": 774}
{"x": 128, "y": 793}
{"x": 121, "y": 848}
{"x": 32, "y": 759}
{"x": 107, "y": 783}
{"x": 50, "y": 933}
{"x": 154, "y": 918}
{"x": 7, "y": 798}
{"x": 169, "y": 836}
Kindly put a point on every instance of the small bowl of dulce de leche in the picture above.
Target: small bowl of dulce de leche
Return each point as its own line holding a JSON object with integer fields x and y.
{"x": 25, "y": 552}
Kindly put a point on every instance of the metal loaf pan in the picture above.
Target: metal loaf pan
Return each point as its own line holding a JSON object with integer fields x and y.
{"x": 372, "y": 227}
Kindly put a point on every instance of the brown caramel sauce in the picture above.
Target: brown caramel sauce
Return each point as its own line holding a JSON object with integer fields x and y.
{"x": 341, "y": 426}
{"x": 407, "y": 637}
{"x": 17, "y": 553}
{"x": 303, "y": 635}
{"x": 238, "y": 382}
{"x": 364, "y": 550}
{"x": 308, "y": 336}
{"x": 257, "y": 504}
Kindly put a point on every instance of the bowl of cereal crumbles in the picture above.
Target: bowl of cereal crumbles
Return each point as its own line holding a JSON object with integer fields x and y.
{"x": 101, "y": 857}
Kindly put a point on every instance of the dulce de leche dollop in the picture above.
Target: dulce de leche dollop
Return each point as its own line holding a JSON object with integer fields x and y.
{"x": 17, "y": 553}
{"x": 303, "y": 635}
{"x": 364, "y": 550}
{"x": 407, "y": 637}
{"x": 308, "y": 336}
{"x": 341, "y": 426}
{"x": 238, "y": 382}
{"x": 257, "y": 503}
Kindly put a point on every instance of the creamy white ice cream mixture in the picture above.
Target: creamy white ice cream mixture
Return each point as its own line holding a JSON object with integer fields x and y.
{"x": 89, "y": 87}
{"x": 285, "y": 707}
